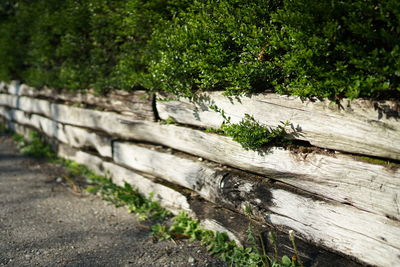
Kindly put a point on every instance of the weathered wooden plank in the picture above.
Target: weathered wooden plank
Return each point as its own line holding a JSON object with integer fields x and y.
{"x": 31, "y": 105}
{"x": 186, "y": 172}
{"x": 168, "y": 197}
{"x": 239, "y": 225}
{"x": 340, "y": 177}
{"x": 74, "y": 136}
{"x": 319, "y": 221}
{"x": 357, "y": 126}
{"x": 136, "y": 104}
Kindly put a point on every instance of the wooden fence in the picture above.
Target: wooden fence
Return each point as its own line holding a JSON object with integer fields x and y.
{"x": 343, "y": 206}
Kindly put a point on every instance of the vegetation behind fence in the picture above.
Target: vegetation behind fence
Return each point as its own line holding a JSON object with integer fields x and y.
{"x": 309, "y": 48}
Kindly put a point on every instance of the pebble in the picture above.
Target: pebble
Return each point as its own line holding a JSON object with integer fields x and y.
{"x": 191, "y": 260}
{"x": 27, "y": 256}
{"x": 58, "y": 179}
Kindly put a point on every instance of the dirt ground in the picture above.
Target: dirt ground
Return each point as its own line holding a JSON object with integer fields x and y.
{"x": 43, "y": 223}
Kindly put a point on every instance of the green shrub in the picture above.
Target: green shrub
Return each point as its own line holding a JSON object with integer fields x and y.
{"x": 336, "y": 48}
{"x": 309, "y": 48}
{"x": 140, "y": 18}
{"x": 214, "y": 45}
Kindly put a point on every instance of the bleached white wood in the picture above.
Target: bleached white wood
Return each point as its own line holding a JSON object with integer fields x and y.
{"x": 94, "y": 163}
{"x": 334, "y": 225}
{"x": 31, "y": 105}
{"x": 168, "y": 198}
{"x": 188, "y": 173}
{"x": 74, "y": 136}
{"x": 356, "y": 126}
{"x": 318, "y": 173}
{"x": 5, "y": 113}
{"x": 137, "y": 104}
{"x": 360, "y": 234}
{"x": 337, "y": 176}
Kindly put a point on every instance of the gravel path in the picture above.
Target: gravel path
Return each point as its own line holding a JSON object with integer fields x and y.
{"x": 42, "y": 223}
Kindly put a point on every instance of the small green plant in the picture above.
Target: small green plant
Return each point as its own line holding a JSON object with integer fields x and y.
{"x": 33, "y": 145}
{"x": 218, "y": 244}
{"x": 120, "y": 196}
{"x": 250, "y": 133}
{"x": 4, "y": 129}
{"x": 127, "y": 196}
{"x": 168, "y": 121}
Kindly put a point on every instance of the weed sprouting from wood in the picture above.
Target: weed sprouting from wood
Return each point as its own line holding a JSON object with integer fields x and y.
{"x": 170, "y": 120}
{"x": 250, "y": 133}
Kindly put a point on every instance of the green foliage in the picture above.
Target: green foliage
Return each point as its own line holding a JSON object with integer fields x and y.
{"x": 33, "y": 145}
{"x": 307, "y": 47}
{"x": 127, "y": 196}
{"x": 3, "y": 129}
{"x": 120, "y": 196}
{"x": 168, "y": 121}
{"x": 336, "y": 48}
{"x": 218, "y": 243}
{"x": 213, "y": 45}
{"x": 250, "y": 133}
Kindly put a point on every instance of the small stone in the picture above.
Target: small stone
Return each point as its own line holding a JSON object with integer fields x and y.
{"x": 191, "y": 260}
{"x": 59, "y": 179}
{"x": 200, "y": 159}
{"x": 27, "y": 256}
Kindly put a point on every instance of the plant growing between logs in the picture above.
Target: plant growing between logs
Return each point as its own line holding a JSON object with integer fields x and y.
{"x": 250, "y": 133}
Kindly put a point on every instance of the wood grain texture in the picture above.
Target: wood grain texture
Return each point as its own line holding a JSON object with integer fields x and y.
{"x": 136, "y": 104}
{"x": 339, "y": 177}
{"x": 209, "y": 214}
{"x": 67, "y": 134}
{"x": 339, "y": 227}
{"x": 169, "y": 198}
{"x": 356, "y": 126}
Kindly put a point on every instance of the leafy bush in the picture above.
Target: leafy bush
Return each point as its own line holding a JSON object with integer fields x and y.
{"x": 214, "y": 45}
{"x": 336, "y": 48}
{"x": 307, "y": 47}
